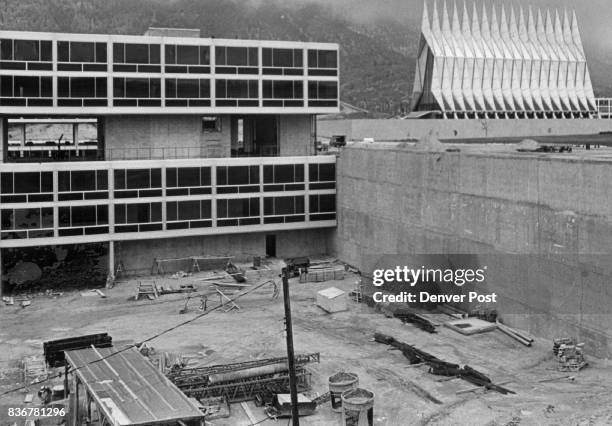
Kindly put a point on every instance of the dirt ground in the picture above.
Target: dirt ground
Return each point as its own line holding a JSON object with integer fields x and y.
{"x": 345, "y": 341}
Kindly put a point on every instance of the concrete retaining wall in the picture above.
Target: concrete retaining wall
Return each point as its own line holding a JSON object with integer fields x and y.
{"x": 397, "y": 130}
{"x": 557, "y": 211}
{"x": 137, "y": 256}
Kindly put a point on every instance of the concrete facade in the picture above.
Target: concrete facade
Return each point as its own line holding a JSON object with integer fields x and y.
{"x": 130, "y": 136}
{"x": 171, "y": 136}
{"x": 137, "y": 256}
{"x": 553, "y": 210}
{"x": 401, "y": 130}
{"x": 295, "y": 135}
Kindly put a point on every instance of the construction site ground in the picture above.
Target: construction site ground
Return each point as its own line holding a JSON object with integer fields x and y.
{"x": 404, "y": 394}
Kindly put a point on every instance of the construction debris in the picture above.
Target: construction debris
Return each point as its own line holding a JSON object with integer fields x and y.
{"x": 34, "y": 369}
{"x": 180, "y": 274}
{"x": 318, "y": 275}
{"x": 296, "y": 265}
{"x": 214, "y": 407}
{"x": 281, "y": 406}
{"x": 438, "y": 366}
{"x": 236, "y": 273}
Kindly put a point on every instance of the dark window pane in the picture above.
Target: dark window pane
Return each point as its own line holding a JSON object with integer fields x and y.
{"x": 120, "y": 213}
{"x": 204, "y": 88}
{"x": 46, "y": 182}
{"x": 46, "y": 87}
{"x": 171, "y": 207}
{"x": 299, "y": 173}
{"x": 155, "y": 178}
{"x": 102, "y": 212}
{"x": 299, "y": 204}
{"x": 136, "y": 53}
{"x": 220, "y": 55}
{"x": 253, "y": 56}
{"x": 119, "y": 179}
{"x": 170, "y": 53}
{"x": 84, "y": 180}
{"x": 101, "y": 87}
{"x": 6, "y": 183}
{"x": 119, "y": 87}
{"x": 238, "y": 175}
{"x": 189, "y": 210}
{"x": 268, "y": 206}
{"x": 327, "y": 203}
{"x": 46, "y": 50}
{"x": 327, "y": 172}
{"x": 6, "y": 49}
{"x": 82, "y": 52}
{"x": 205, "y": 209}
{"x": 101, "y": 52}
{"x": 297, "y": 58}
{"x": 83, "y": 216}
{"x": 188, "y": 55}
{"x": 204, "y": 55}
{"x": 83, "y": 87}
{"x": 63, "y": 51}
{"x": 138, "y": 178}
{"x": 187, "y": 88}
{"x": 27, "y": 86}
{"x": 221, "y": 175}
{"x": 154, "y": 88}
{"x": 6, "y": 86}
{"x": 189, "y": 176}
{"x": 237, "y": 56}
{"x": 171, "y": 177}
{"x": 312, "y": 58}
{"x": 205, "y": 176}
{"x": 155, "y": 212}
{"x": 26, "y": 50}
{"x": 283, "y": 57}
{"x": 171, "y": 88}
{"x": 118, "y": 51}
{"x": 283, "y": 173}
{"x": 154, "y": 50}
{"x": 327, "y": 59}
{"x": 63, "y": 87}
{"x": 266, "y": 57}
{"x": 27, "y": 182}
{"x": 222, "y": 208}
{"x": 64, "y": 216}
{"x": 136, "y": 87}
{"x": 102, "y": 180}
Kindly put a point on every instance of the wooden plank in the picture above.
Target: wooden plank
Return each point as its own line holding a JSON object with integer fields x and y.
{"x": 248, "y": 412}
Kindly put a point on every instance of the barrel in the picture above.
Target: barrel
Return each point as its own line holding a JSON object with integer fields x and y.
{"x": 338, "y": 383}
{"x": 358, "y": 408}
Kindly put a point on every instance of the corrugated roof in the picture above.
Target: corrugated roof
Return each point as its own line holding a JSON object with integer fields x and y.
{"x": 129, "y": 389}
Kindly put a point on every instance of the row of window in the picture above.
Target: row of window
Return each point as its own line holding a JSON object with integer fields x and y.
{"x": 13, "y": 88}
{"x": 141, "y": 57}
{"x": 14, "y": 183}
{"x": 86, "y": 220}
{"x": 78, "y": 216}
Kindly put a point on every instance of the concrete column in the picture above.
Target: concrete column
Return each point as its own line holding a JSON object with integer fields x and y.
{"x": 111, "y": 258}
{"x": 55, "y": 200}
{"x": 307, "y": 191}
{"x": 213, "y": 201}
{"x": 1, "y": 272}
{"x": 261, "y": 194}
{"x": 164, "y": 214}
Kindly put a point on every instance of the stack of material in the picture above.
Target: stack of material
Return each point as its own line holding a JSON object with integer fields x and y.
{"x": 318, "y": 275}
{"x": 54, "y": 349}
{"x": 332, "y": 300}
{"x": 242, "y": 381}
{"x": 569, "y": 354}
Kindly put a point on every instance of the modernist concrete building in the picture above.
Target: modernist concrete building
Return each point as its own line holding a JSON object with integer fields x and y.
{"x": 525, "y": 65}
{"x": 171, "y": 140}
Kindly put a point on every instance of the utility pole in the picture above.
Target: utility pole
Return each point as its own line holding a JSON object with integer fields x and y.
{"x": 290, "y": 357}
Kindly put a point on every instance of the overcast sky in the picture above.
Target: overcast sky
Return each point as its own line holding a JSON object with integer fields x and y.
{"x": 595, "y": 16}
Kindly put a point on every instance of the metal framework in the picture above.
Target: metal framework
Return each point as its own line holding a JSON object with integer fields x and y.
{"x": 522, "y": 65}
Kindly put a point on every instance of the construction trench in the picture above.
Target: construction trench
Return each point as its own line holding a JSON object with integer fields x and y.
{"x": 220, "y": 340}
